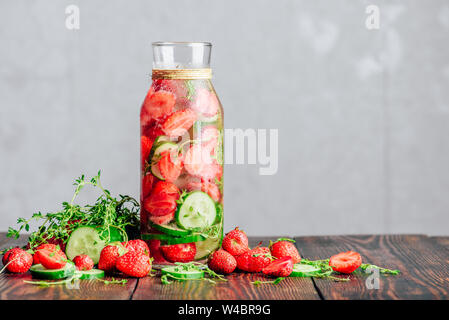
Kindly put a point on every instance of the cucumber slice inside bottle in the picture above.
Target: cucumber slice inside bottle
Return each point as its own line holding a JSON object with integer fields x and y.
{"x": 161, "y": 139}
{"x": 87, "y": 240}
{"x": 206, "y": 247}
{"x": 169, "y": 240}
{"x": 179, "y": 273}
{"x": 164, "y": 146}
{"x": 171, "y": 229}
{"x": 38, "y": 271}
{"x": 91, "y": 274}
{"x": 205, "y": 119}
{"x": 196, "y": 212}
{"x": 304, "y": 270}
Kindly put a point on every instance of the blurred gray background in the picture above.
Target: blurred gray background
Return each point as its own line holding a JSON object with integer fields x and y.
{"x": 363, "y": 115}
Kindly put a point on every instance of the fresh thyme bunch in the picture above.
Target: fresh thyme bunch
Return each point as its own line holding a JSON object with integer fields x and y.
{"x": 107, "y": 212}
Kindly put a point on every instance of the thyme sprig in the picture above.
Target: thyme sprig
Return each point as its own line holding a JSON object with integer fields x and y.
{"x": 107, "y": 212}
{"x": 275, "y": 281}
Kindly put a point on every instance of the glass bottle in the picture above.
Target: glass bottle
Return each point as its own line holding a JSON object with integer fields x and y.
{"x": 181, "y": 122}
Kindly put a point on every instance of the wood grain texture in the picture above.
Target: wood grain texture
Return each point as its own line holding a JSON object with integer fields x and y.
{"x": 12, "y": 286}
{"x": 238, "y": 287}
{"x": 423, "y": 265}
{"x": 423, "y": 261}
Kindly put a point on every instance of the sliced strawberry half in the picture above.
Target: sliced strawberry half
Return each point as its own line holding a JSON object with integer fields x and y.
{"x": 206, "y": 103}
{"x": 147, "y": 185}
{"x": 210, "y": 188}
{"x": 209, "y": 134}
{"x": 51, "y": 258}
{"x": 279, "y": 268}
{"x": 145, "y": 147}
{"x": 170, "y": 165}
{"x": 345, "y": 262}
{"x": 163, "y": 219}
{"x": 179, "y": 123}
{"x": 157, "y": 105}
{"x": 160, "y": 204}
{"x": 196, "y": 158}
{"x": 167, "y": 188}
{"x": 177, "y": 87}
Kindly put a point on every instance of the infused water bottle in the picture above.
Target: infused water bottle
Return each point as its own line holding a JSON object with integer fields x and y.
{"x": 181, "y": 122}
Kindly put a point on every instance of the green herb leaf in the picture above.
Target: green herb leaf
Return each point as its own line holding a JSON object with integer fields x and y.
{"x": 276, "y": 281}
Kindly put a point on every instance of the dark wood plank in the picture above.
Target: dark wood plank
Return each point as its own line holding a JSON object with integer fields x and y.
{"x": 238, "y": 287}
{"x": 443, "y": 242}
{"x": 424, "y": 267}
{"x": 12, "y": 286}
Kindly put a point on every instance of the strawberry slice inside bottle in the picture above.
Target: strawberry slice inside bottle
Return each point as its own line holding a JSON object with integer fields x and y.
{"x": 206, "y": 103}
{"x": 160, "y": 204}
{"x": 157, "y": 105}
{"x": 145, "y": 145}
{"x": 179, "y": 123}
{"x": 170, "y": 165}
{"x": 147, "y": 185}
{"x": 167, "y": 188}
{"x": 210, "y": 188}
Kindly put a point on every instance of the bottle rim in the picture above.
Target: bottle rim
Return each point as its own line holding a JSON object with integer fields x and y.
{"x": 182, "y": 43}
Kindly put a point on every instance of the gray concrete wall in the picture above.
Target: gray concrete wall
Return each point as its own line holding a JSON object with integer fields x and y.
{"x": 363, "y": 115}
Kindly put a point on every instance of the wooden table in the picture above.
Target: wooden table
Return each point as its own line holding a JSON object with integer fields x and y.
{"x": 423, "y": 261}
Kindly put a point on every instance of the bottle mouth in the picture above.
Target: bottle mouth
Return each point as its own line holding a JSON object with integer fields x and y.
{"x": 182, "y": 43}
{"x": 181, "y": 55}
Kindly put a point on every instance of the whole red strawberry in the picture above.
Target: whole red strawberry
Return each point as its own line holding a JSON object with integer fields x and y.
{"x": 285, "y": 248}
{"x": 6, "y": 255}
{"x": 235, "y": 242}
{"x": 254, "y": 260}
{"x": 109, "y": 256}
{"x": 49, "y": 246}
{"x": 138, "y": 246}
{"x": 279, "y": 268}
{"x": 134, "y": 264}
{"x": 18, "y": 260}
{"x": 222, "y": 261}
{"x": 83, "y": 262}
{"x": 183, "y": 252}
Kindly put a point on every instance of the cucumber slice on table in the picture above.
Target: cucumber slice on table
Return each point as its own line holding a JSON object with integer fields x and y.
{"x": 171, "y": 229}
{"x": 169, "y": 240}
{"x": 87, "y": 240}
{"x": 183, "y": 274}
{"x": 304, "y": 270}
{"x": 196, "y": 211}
{"x": 164, "y": 146}
{"x": 38, "y": 271}
{"x": 91, "y": 274}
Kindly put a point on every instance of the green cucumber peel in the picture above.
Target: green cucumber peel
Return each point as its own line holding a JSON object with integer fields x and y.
{"x": 48, "y": 283}
{"x": 180, "y": 267}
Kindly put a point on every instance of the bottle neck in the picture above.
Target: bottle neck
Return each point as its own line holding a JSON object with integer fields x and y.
{"x": 181, "y": 55}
